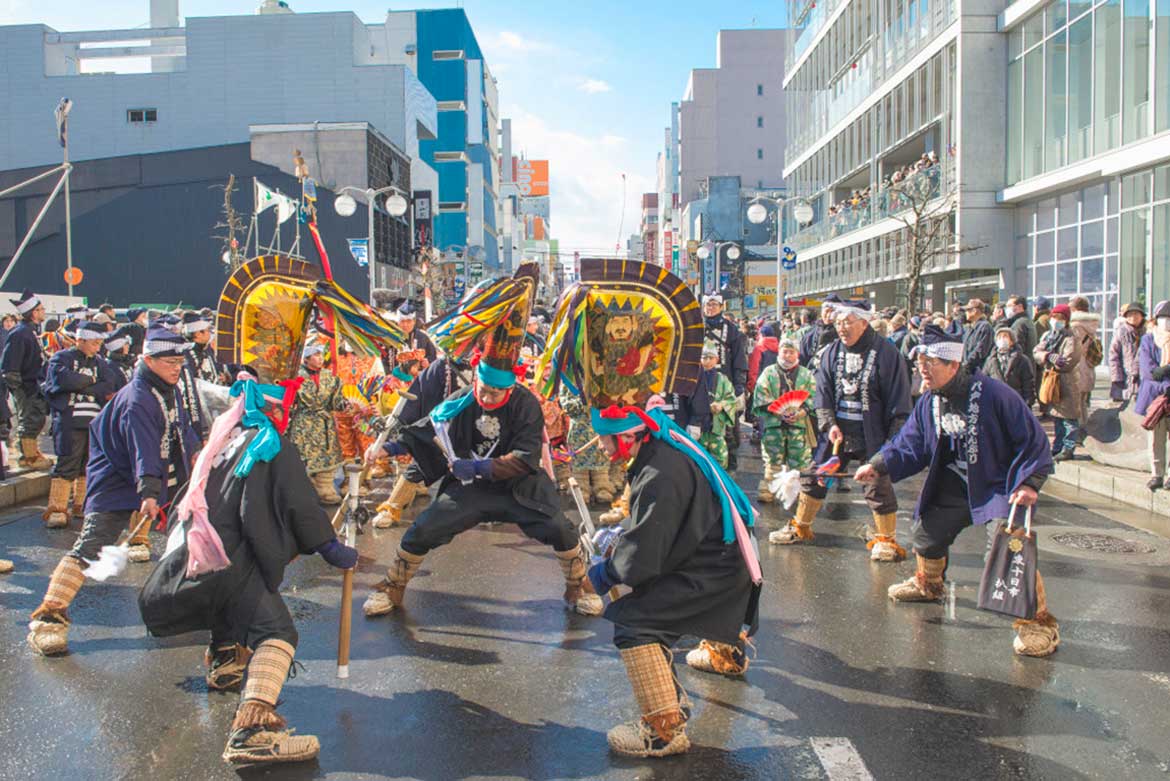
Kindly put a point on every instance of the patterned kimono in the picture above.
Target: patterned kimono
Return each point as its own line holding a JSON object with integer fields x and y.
{"x": 352, "y": 427}
{"x": 721, "y": 391}
{"x": 786, "y": 444}
{"x": 311, "y": 425}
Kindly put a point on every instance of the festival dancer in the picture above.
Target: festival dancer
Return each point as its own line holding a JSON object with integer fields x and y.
{"x": 732, "y": 363}
{"x": 416, "y": 339}
{"x": 312, "y": 428}
{"x": 355, "y": 371}
{"x": 204, "y": 365}
{"x": 248, "y": 486}
{"x": 439, "y": 380}
{"x": 141, "y": 445}
{"x": 789, "y": 435}
{"x": 490, "y": 465}
{"x": 983, "y": 450}
{"x": 23, "y": 366}
{"x": 78, "y": 383}
{"x": 862, "y": 399}
{"x": 410, "y": 364}
{"x": 676, "y": 551}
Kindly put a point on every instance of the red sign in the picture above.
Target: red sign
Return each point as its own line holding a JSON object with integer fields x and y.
{"x": 667, "y": 248}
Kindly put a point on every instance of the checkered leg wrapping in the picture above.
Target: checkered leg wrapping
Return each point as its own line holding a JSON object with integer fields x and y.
{"x": 651, "y": 676}
{"x": 64, "y": 584}
{"x": 572, "y": 565}
{"x": 267, "y": 671}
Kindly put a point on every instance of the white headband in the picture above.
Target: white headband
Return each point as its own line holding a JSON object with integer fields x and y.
{"x": 85, "y": 333}
{"x": 158, "y": 346}
{"x": 197, "y": 326}
{"x": 24, "y": 307}
{"x": 944, "y": 351}
{"x": 844, "y": 310}
{"x": 117, "y": 344}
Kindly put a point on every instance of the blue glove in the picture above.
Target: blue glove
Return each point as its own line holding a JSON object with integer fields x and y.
{"x": 466, "y": 469}
{"x": 601, "y": 576}
{"x": 394, "y": 448}
{"x": 338, "y": 554}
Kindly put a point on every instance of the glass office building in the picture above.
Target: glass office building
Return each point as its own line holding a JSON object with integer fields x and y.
{"x": 1088, "y": 142}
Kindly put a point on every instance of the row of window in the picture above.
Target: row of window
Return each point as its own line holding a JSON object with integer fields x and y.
{"x": 1085, "y": 79}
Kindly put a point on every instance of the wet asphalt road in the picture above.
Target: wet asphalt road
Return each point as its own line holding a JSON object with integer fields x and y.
{"x": 484, "y": 675}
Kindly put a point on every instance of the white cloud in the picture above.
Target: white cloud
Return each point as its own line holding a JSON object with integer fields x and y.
{"x": 594, "y": 86}
{"x": 586, "y": 183}
{"x": 510, "y": 42}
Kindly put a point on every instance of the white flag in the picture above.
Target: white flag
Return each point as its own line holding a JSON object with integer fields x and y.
{"x": 265, "y": 197}
{"x": 285, "y": 209}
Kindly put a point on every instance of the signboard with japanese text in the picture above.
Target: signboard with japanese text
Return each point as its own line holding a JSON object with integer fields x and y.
{"x": 423, "y": 219}
{"x": 531, "y": 176}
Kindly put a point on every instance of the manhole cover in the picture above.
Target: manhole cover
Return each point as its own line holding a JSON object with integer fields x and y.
{"x": 1101, "y": 543}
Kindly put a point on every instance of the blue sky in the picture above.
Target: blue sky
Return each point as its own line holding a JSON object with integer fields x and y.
{"x": 588, "y": 85}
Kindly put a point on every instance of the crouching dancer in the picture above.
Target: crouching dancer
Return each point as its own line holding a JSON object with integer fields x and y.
{"x": 140, "y": 446}
{"x": 490, "y": 463}
{"x": 678, "y": 548}
{"x": 984, "y": 450}
{"x": 248, "y": 512}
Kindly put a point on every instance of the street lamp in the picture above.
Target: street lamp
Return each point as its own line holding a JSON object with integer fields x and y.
{"x": 345, "y": 206}
{"x": 733, "y": 253}
{"x": 757, "y": 214}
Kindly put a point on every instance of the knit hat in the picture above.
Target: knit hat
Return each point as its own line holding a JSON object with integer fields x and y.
{"x": 1063, "y": 310}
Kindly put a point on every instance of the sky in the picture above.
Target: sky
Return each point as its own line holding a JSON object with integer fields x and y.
{"x": 588, "y": 85}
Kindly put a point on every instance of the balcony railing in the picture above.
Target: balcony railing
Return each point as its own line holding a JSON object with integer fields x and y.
{"x": 921, "y": 186}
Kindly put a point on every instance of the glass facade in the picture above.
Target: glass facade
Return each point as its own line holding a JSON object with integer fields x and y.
{"x": 1109, "y": 242}
{"x": 1085, "y": 77}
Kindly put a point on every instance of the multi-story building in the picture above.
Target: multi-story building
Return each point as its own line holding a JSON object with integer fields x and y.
{"x": 441, "y": 47}
{"x": 649, "y": 228}
{"x": 877, "y": 89}
{"x": 729, "y": 126}
{"x": 1044, "y": 128}
{"x": 205, "y": 86}
{"x": 1088, "y": 150}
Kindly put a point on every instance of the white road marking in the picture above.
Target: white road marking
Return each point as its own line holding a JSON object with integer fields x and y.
{"x": 840, "y": 759}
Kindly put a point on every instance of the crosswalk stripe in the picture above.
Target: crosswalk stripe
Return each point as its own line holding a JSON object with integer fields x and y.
{"x": 840, "y": 759}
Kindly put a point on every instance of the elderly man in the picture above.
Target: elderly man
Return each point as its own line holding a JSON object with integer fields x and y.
{"x": 23, "y": 366}
{"x": 978, "y": 337}
{"x": 732, "y": 363}
{"x": 141, "y": 446}
{"x": 862, "y": 399}
{"x": 1015, "y": 313}
{"x": 983, "y": 450}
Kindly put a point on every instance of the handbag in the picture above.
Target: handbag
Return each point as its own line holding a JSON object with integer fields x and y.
{"x": 1050, "y": 387}
{"x": 1159, "y": 408}
{"x": 1008, "y": 584}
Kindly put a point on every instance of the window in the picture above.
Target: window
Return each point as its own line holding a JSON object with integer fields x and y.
{"x": 759, "y": 121}
{"x": 1135, "y": 79}
{"x": 142, "y": 115}
{"x": 450, "y": 105}
{"x": 447, "y": 54}
{"x": 759, "y": 154}
{"x": 759, "y": 89}
{"x": 1107, "y": 77}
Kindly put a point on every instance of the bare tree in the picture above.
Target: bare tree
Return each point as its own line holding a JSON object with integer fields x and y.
{"x": 231, "y": 224}
{"x": 925, "y": 206}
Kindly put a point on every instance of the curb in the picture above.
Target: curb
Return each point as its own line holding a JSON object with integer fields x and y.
{"x": 1120, "y": 486}
{"x": 23, "y": 487}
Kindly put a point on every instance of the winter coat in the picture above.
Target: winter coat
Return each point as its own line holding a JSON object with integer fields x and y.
{"x": 1149, "y": 358}
{"x": 1086, "y": 326}
{"x": 1123, "y": 360}
{"x": 1016, "y": 370}
{"x": 1023, "y": 332}
{"x": 1062, "y": 350}
{"x": 978, "y": 343}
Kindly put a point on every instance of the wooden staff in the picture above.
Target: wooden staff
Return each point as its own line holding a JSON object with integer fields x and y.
{"x": 353, "y": 472}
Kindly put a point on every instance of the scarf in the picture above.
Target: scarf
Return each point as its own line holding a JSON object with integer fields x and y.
{"x": 1162, "y": 340}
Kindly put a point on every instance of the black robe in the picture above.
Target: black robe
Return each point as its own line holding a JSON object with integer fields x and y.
{"x": 685, "y": 579}
{"x": 521, "y": 436}
{"x": 264, "y": 520}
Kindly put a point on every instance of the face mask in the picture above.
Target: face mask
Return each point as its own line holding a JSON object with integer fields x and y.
{"x": 1164, "y": 323}
{"x": 1003, "y": 344}
{"x": 1056, "y": 325}
{"x": 788, "y": 364}
{"x": 1010, "y": 311}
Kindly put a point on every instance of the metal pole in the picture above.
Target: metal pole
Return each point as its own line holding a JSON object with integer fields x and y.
{"x": 779, "y": 227}
{"x": 54, "y": 170}
{"x": 36, "y": 224}
{"x": 68, "y": 221}
{"x": 370, "y": 194}
{"x": 718, "y": 250}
